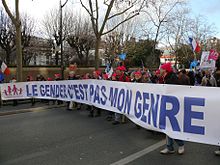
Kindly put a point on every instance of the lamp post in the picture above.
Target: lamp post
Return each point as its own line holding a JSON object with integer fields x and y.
{"x": 61, "y": 37}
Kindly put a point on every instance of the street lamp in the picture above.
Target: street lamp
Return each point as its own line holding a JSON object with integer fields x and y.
{"x": 61, "y": 37}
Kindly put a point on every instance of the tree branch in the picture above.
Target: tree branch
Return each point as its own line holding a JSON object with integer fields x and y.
{"x": 120, "y": 13}
{"x": 120, "y": 23}
{"x": 64, "y": 4}
{"x": 9, "y": 12}
{"x": 106, "y": 16}
{"x": 85, "y": 8}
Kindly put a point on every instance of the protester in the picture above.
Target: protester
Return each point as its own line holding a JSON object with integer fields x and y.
{"x": 120, "y": 76}
{"x": 94, "y": 111}
{"x": 72, "y": 104}
{"x": 171, "y": 78}
{"x": 57, "y": 77}
{"x": 137, "y": 79}
{"x": 48, "y": 100}
{"x": 110, "y": 115}
{"x": 191, "y": 78}
{"x": 183, "y": 78}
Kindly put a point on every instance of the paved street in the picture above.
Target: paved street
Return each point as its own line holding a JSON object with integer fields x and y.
{"x": 58, "y": 137}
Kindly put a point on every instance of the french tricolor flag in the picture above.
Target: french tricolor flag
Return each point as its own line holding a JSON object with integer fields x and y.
{"x": 4, "y": 68}
{"x": 195, "y": 46}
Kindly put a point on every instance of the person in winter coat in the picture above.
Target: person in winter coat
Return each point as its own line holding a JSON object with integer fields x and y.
{"x": 171, "y": 78}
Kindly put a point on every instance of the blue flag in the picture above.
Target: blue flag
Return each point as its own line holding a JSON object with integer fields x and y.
{"x": 122, "y": 56}
{"x": 2, "y": 77}
{"x": 193, "y": 64}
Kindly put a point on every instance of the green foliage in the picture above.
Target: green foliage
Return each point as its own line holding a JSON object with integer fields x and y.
{"x": 185, "y": 55}
{"x": 141, "y": 51}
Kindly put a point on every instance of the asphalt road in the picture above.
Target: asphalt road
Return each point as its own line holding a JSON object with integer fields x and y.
{"x": 59, "y": 137}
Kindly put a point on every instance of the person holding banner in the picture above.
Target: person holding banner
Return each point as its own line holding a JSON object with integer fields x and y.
{"x": 71, "y": 104}
{"x": 120, "y": 76}
{"x": 93, "y": 109}
{"x": 171, "y": 78}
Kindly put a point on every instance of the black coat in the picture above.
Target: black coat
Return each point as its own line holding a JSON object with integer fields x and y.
{"x": 171, "y": 78}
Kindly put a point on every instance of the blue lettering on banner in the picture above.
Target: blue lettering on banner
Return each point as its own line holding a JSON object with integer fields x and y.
{"x": 57, "y": 91}
{"x": 65, "y": 91}
{"x": 42, "y": 90}
{"x": 76, "y": 92}
{"x": 170, "y": 113}
{"x": 91, "y": 92}
{"x": 28, "y": 92}
{"x": 47, "y": 90}
{"x": 61, "y": 91}
{"x": 85, "y": 86}
{"x": 52, "y": 90}
{"x": 96, "y": 95}
{"x": 70, "y": 91}
{"x": 145, "y": 107}
{"x": 34, "y": 90}
{"x": 137, "y": 106}
{"x": 81, "y": 92}
{"x": 104, "y": 98}
{"x": 189, "y": 115}
{"x": 113, "y": 96}
{"x": 128, "y": 99}
{"x": 121, "y": 97}
{"x": 154, "y": 109}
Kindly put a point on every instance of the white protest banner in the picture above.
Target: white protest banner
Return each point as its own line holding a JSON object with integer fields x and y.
{"x": 205, "y": 62}
{"x": 181, "y": 112}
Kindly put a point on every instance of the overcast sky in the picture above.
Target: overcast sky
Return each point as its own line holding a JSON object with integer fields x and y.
{"x": 38, "y": 8}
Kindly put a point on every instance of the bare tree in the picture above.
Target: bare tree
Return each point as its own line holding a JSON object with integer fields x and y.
{"x": 158, "y": 14}
{"x": 116, "y": 42}
{"x": 201, "y": 29}
{"x": 7, "y": 36}
{"x": 17, "y": 23}
{"x": 51, "y": 24}
{"x": 81, "y": 39}
{"x": 114, "y": 8}
{"x": 177, "y": 30}
{"x": 27, "y": 32}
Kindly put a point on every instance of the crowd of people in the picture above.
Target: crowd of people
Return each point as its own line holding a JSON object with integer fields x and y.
{"x": 166, "y": 74}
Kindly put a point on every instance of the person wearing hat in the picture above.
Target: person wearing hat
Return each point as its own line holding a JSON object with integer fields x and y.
{"x": 171, "y": 78}
{"x": 110, "y": 115}
{"x": 96, "y": 75}
{"x": 146, "y": 78}
{"x": 137, "y": 77}
{"x": 120, "y": 76}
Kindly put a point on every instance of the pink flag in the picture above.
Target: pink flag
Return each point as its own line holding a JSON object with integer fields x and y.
{"x": 213, "y": 55}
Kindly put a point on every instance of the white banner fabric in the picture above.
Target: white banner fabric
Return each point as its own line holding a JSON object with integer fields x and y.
{"x": 189, "y": 113}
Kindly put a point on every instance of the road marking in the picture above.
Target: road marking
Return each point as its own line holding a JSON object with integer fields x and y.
{"x": 26, "y": 157}
{"x": 140, "y": 153}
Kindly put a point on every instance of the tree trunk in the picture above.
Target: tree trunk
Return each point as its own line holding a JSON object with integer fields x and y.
{"x": 8, "y": 53}
{"x": 57, "y": 58}
{"x": 97, "y": 59}
{"x": 19, "y": 53}
{"x": 87, "y": 59}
